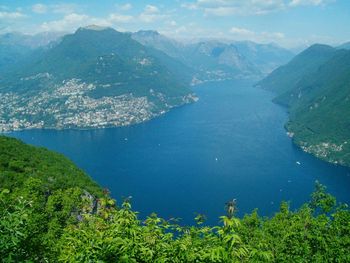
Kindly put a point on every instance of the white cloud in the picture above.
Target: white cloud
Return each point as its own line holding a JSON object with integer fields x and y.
{"x": 10, "y": 20}
{"x": 272, "y": 35}
{"x": 56, "y": 8}
{"x": 39, "y": 8}
{"x": 235, "y": 7}
{"x": 151, "y": 9}
{"x": 11, "y": 15}
{"x": 247, "y": 7}
{"x": 118, "y": 18}
{"x": 125, "y": 7}
{"x": 151, "y": 14}
{"x": 309, "y": 2}
{"x": 189, "y": 32}
{"x": 239, "y": 33}
{"x": 64, "y": 8}
{"x": 71, "y": 22}
{"x": 190, "y": 6}
{"x": 65, "y": 24}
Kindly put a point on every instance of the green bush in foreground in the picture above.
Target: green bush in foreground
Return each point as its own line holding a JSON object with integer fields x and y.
{"x": 40, "y": 222}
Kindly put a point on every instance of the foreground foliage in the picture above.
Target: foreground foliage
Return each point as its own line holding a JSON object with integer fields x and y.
{"x": 40, "y": 222}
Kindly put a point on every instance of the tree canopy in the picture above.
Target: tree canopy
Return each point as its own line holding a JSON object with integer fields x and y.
{"x": 50, "y": 211}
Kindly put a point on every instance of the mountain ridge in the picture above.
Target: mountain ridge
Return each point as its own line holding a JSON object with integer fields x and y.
{"x": 91, "y": 78}
{"x": 315, "y": 88}
{"x": 204, "y": 56}
{"x": 98, "y": 77}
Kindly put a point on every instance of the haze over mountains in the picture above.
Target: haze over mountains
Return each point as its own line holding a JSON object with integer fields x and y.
{"x": 15, "y": 46}
{"x": 217, "y": 60}
{"x": 100, "y": 77}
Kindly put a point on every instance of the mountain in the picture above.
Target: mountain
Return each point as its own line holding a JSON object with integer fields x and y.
{"x": 11, "y": 54}
{"x": 286, "y": 77}
{"x": 95, "y": 77}
{"x": 344, "y": 46}
{"x": 169, "y": 48}
{"x": 14, "y": 47}
{"x": 99, "y": 77}
{"x": 30, "y": 41}
{"x": 215, "y": 60}
{"x": 266, "y": 57}
{"x": 315, "y": 86}
{"x": 153, "y": 39}
{"x": 209, "y": 60}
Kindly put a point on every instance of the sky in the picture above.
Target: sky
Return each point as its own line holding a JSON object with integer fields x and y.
{"x": 289, "y": 23}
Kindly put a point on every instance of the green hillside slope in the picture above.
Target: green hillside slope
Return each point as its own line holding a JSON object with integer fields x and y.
{"x": 286, "y": 77}
{"x": 41, "y": 192}
{"x": 20, "y": 163}
{"x": 318, "y": 97}
{"x": 50, "y": 211}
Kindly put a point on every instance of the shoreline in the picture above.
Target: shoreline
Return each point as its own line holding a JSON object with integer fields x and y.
{"x": 111, "y": 126}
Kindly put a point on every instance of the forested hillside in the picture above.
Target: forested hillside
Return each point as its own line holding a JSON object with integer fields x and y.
{"x": 315, "y": 86}
{"x": 97, "y": 77}
{"x": 50, "y": 211}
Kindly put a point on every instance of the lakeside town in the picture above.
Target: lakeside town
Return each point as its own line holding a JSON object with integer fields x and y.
{"x": 325, "y": 151}
{"x": 69, "y": 106}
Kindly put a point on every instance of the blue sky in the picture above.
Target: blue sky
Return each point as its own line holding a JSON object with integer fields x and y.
{"x": 290, "y": 23}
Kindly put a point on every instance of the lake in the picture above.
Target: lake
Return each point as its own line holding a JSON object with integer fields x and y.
{"x": 230, "y": 144}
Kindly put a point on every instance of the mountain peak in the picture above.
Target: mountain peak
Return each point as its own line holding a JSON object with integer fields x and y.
{"x": 94, "y": 27}
{"x": 148, "y": 33}
{"x": 319, "y": 47}
{"x": 344, "y": 46}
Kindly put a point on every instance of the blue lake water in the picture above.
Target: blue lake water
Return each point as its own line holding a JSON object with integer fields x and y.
{"x": 230, "y": 144}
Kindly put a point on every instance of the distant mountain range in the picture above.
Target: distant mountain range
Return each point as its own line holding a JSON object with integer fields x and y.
{"x": 99, "y": 77}
{"x": 16, "y": 46}
{"x": 215, "y": 60}
{"x": 344, "y": 46}
{"x": 96, "y": 77}
{"x": 315, "y": 86}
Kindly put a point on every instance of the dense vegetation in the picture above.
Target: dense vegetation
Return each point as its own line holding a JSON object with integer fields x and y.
{"x": 315, "y": 86}
{"x": 50, "y": 211}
